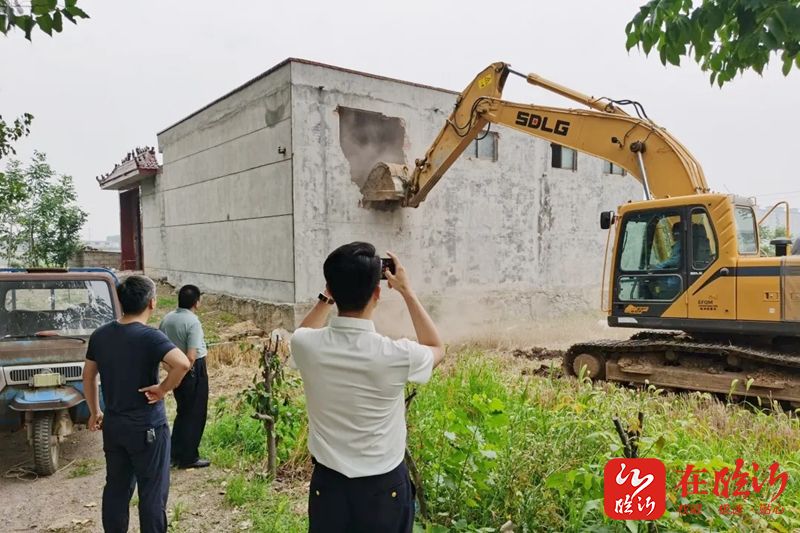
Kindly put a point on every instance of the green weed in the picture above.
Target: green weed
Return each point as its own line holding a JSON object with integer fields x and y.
{"x": 494, "y": 446}
{"x": 241, "y": 491}
{"x": 268, "y": 511}
{"x": 276, "y": 514}
{"x": 175, "y": 515}
{"x": 82, "y": 468}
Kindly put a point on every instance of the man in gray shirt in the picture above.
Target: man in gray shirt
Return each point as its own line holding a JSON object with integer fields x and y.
{"x": 185, "y": 330}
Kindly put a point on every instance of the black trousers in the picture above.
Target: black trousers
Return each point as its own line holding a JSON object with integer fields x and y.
{"x": 190, "y": 422}
{"x": 130, "y": 461}
{"x": 369, "y": 504}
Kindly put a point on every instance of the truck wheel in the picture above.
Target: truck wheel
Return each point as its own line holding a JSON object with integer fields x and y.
{"x": 45, "y": 445}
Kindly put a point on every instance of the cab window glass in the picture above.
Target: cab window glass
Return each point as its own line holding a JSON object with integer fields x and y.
{"x": 66, "y": 307}
{"x": 649, "y": 287}
{"x": 746, "y": 230}
{"x": 651, "y": 241}
{"x": 704, "y": 245}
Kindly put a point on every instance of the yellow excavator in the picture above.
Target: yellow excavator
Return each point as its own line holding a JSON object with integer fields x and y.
{"x": 684, "y": 260}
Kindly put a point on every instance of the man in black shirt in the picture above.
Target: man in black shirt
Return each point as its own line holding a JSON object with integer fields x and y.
{"x": 127, "y": 354}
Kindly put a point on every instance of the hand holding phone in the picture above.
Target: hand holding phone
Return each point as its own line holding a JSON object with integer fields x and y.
{"x": 396, "y": 274}
{"x": 387, "y": 263}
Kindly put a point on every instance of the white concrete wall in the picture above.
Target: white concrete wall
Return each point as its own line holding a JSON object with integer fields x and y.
{"x": 497, "y": 241}
{"x": 220, "y": 213}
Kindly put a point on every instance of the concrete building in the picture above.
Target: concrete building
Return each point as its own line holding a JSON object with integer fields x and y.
{"x": 256, "y": 188}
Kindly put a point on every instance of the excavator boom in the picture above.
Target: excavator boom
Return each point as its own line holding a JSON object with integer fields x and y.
{"x": 647, "y": 151}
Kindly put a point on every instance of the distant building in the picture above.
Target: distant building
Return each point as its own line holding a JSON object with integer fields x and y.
{"x": 102, "y": 245}
{"x": 261, "y": 184}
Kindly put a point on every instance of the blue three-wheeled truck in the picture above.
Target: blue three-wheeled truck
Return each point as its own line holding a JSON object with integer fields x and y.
{"x": 46, "y": 317}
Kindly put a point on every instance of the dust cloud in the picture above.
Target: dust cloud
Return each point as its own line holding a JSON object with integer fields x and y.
{"x": 501, "y": 323}
{"x": 367, "y": 138}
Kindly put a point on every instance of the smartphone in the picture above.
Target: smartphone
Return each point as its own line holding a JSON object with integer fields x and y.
{"x": 387, "y": 263}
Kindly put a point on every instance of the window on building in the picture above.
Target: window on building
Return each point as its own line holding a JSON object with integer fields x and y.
{"x": 564, "y": 157}
{"x": 611, "y": 168}
{"x": 485, "y": 146}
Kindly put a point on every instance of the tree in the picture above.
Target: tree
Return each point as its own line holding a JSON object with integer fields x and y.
{"x": 40, "y": 225}
{"x": 726, "y": 37}
{"x": 48, "y": 16}
{"x": 13, "y": 194}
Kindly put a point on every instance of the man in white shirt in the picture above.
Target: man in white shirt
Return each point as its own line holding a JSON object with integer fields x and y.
{"x": 354, "y": 379}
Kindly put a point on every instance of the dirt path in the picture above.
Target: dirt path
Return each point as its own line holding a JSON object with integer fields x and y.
{"x": 70, "y": 499}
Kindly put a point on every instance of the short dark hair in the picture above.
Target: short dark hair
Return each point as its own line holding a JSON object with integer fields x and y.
{"x": 352, "y": 272}
{"x": 188, "y": 296}
{"x": 134, "y": 293}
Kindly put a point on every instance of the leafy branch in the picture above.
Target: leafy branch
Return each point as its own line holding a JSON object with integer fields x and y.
{"x": 47, "y": 15}
{"x": 725, "y": 37}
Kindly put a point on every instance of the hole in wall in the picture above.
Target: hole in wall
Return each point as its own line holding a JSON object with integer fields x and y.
{"x": 367, "y": 138}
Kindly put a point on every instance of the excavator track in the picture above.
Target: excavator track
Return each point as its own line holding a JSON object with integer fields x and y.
{"x": 680, "y": 361}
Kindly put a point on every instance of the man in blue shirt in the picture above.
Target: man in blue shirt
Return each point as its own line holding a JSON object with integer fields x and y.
{"x": 184, "y": 329}
{"x": 126, "y": 354}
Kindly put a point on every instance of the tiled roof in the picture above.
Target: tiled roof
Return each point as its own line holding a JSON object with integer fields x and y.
{"x": 137, "y": 164}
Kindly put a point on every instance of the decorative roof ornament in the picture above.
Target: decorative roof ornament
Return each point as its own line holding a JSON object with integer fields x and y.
{"x": 137, "y": 164}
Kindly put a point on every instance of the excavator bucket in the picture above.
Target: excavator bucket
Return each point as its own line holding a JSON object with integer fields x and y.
{"x": 386, "y": 183}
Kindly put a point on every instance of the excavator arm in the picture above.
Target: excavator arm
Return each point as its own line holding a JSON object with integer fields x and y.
{"x": 648, "y": 152}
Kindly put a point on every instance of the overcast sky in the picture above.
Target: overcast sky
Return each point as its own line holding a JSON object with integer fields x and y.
{"x": 112, "y": 82}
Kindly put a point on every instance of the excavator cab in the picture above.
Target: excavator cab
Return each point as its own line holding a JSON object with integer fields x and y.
{"x": 662, "y": 250}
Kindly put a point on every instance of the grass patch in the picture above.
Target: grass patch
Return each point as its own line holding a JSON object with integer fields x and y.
{"x": 215, "y": 321}
{"x": 176, "y": 513}
{"x": 241, "y": 491}
{"x": 279, "y": 515}
{"x": 233, "y": 439}
{"x": 269, "y": 511}
{"x": 494, "y": 447}
{"x": 83, "y": 468}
